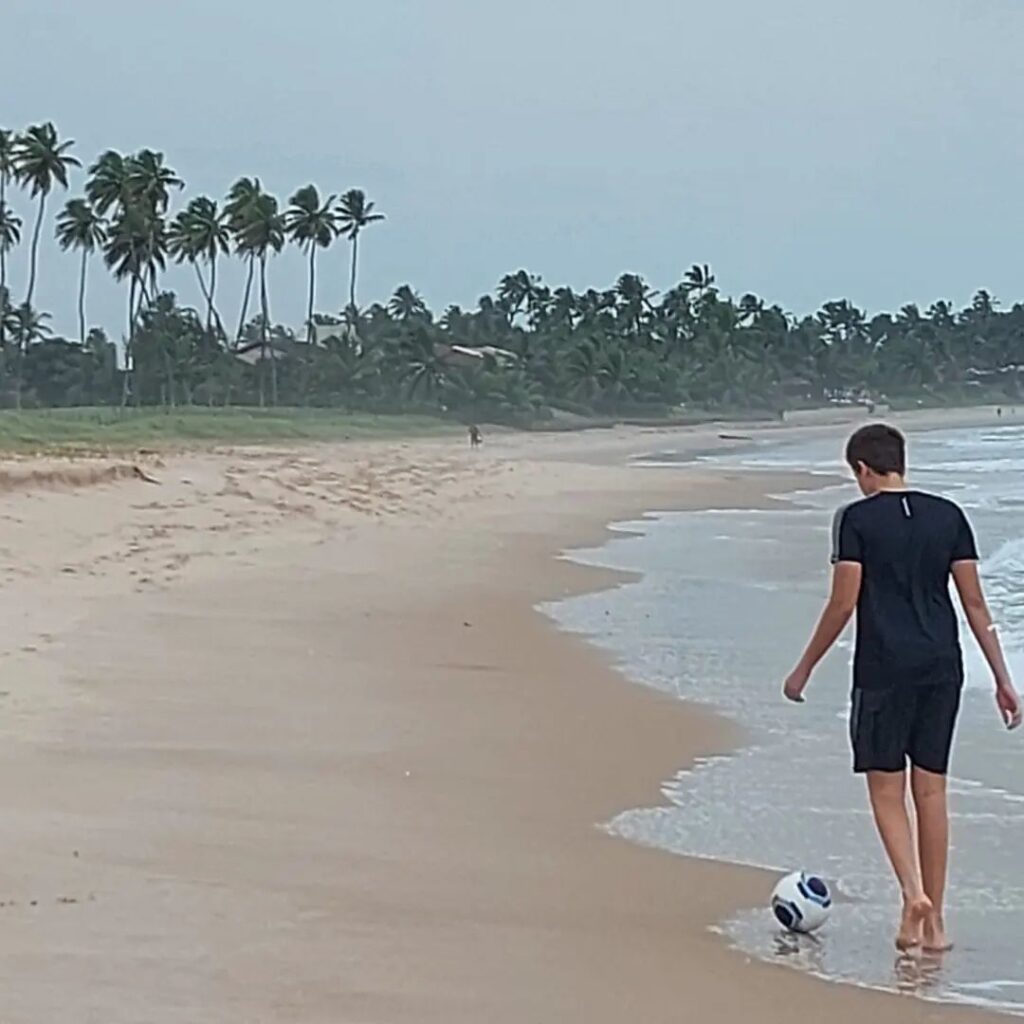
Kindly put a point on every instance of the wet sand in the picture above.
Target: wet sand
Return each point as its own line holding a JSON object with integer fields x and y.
{"x": 285, "y": 740}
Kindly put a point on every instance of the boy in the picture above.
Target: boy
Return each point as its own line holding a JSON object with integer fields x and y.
{"x": 893, "y": 554}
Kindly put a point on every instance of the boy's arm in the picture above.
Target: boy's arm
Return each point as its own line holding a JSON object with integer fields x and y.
{"x": 968, "y": 585}
{"x": 846, "y": 579}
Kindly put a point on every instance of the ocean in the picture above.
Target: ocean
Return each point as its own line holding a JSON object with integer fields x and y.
{"x": 723, "y": 605}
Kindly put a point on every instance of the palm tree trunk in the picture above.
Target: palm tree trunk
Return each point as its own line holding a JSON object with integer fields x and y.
{"x": 213, "y": 317}
{"x": 265, "y": 304}
{"x": 34, "y": 252}
{"x": 202, "y": 288}
{"x": 143, "y": 298}
{"x": 20, "y": 343}
{"x": 131, "y": 315}
{"x": 129, "y": 342}
{"x": 352, "y": 281}
{"x": 312, "y": 292}
{"x": 262, "y": 332}
{"x": 81, "y": 295}
{"x": 246, "y": 295}
{"x": 170, "y": 387}
{"x": 209, "y": 296}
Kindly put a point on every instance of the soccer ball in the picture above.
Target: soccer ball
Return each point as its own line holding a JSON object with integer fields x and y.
{"x": 801, "y": 902}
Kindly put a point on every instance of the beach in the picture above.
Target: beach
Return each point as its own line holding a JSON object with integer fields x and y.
{"x": 287, "y": 739}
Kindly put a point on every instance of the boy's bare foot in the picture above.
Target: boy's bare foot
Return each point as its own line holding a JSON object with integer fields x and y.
{"x": 916, "y": 912}
{"x": 934, "y": 937}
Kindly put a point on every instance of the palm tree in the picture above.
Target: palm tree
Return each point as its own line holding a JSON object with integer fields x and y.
{"x": 750, "y": 307}
{"x": 10, "y": 223}
{"x": 10, "y": 236}
{"x": 145, "y": 234}
{"x": 136, "y": 251}
{"x": 109, "y": 191}
{"x": 700, "y": 279}
{"x": 41, "y": 161}
{"x": 150, "y": 180}
{"x": 27, "y": 325}
{"x": 516, "y": 291}
{"x": 81, "y": 227}
{"x": 108, "y": 187}
{"x": 200, "y": 233}
{"x": 138, "y": 189}
{"x": 453, "y": 319}
{"x": 32, "y": 324}
{"x": 261, "y": 235}
{"x": 615, "y": 375}
{"x": 564, "y": 306}
{"x": 583, "y": 370}
{"x": 8, "y": 164}
{"x": 354, "y": 214}
{"x": 181, "y": 246}
{"x": 240, "y": 198}
{"x": 635, "y": 298}
{"x": 422, "y": 370}
{"x": 311, "y": 225}
{"x": 6, "y": 313}
{"x": 407, "y": 304}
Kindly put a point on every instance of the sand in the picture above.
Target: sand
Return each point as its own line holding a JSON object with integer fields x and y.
{"x": 285, "y": 740}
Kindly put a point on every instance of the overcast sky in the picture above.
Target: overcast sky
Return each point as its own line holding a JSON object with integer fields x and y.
{"x": 806, "y": 149}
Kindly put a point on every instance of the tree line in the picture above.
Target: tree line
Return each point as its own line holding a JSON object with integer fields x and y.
{"x": 525, "y": 352}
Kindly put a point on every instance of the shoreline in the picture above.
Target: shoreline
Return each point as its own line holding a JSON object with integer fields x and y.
{"x": 905, "y": 985}
{"x": 276, "y": 733}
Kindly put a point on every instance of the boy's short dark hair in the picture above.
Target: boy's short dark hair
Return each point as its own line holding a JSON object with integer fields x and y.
{"x": 881, "y": 448}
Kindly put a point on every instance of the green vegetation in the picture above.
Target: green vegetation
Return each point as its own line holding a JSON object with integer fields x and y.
{"x": 106, "y": 428}
{"x": 528, "y": 354}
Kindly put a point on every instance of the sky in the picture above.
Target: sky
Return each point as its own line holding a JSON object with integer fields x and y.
{"x": 806, "y": 149}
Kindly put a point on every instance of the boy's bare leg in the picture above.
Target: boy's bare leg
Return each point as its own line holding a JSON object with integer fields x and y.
{"x": 929, "y": 792}
{"x": 888, "y": 792}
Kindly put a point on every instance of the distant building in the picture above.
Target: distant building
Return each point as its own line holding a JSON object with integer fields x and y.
{"x": 322, "y": 333}
{"x": 252, "y": 352}
{"x": 465, "y": 355}
{"x": 1011, "y": 372}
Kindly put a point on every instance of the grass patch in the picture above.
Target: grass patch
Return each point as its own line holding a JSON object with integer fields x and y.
{"x": 104, "y": 428}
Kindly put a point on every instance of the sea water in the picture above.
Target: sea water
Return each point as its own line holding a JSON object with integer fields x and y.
{"x": 723, "y": 606}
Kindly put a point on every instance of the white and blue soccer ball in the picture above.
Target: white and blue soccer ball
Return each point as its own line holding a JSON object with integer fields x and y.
{"x": 801, "y": 902}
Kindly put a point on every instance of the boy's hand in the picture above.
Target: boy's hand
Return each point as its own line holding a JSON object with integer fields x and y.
{"x": 1009, "y": 705}
{"x": 795, "y": 684}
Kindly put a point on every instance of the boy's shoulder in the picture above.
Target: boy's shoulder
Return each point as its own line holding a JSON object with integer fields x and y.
{"x": 911, "y": 502}
{"x": 938, "y": 500}
{"x": 938, "y": 503}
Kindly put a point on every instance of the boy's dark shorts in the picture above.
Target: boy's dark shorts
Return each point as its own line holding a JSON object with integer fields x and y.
{"x": 901, "y": 723}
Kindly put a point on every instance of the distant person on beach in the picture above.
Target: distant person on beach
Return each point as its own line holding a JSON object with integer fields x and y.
{"x": 893, "y": 553}
{"x": 475, "y": 437}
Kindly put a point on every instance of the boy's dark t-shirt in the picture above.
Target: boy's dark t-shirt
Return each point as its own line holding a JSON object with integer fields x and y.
{"x": 906, "y": 543}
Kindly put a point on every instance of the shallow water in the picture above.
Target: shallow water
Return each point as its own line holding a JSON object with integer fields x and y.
{"x": 724, "y": 604}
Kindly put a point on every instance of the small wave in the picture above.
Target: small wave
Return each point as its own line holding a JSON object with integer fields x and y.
{"x": 996, "y": 985}
{"x": 859, "y": 961}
